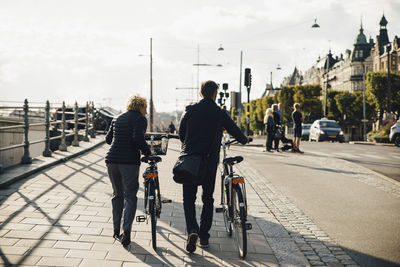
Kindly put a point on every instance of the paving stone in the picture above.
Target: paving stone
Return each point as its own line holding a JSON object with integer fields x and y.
{"x": 8, "y": 241}
{"x": 73, "y": 245}
{"x": 19, "y": 260}
{"x": 56, "y": 261}
{"x": 35, "y": 243}
{"x": 100, "y": 263}
{"x": 87, "y": 254}
{"x": 6, "y": 250}
{"x": 23, "y": 234}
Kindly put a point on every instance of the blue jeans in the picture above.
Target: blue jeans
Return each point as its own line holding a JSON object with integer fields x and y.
{"x": 189, "y": 199}
{"x": 124, "y": 180}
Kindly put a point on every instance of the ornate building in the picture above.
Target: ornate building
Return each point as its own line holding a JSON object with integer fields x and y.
{"x": 344, "y": 73}
{"x": 384, "y": 51}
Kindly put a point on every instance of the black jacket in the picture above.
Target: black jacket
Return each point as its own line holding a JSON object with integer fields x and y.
{"x": 200, "y": 129}
{"x": 126, "y": 137}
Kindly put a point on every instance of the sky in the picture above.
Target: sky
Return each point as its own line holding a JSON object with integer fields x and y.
{"x": 81, "y": 50}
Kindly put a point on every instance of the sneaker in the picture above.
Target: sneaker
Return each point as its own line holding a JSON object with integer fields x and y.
{"x": 191, "y": 242}
{"x": 299, "y": 151}
{"x": 203, "y": 243}
{"x": 294, "y": 150}
{"x": 116, "y": 235}
{"x": 126, "y": 238}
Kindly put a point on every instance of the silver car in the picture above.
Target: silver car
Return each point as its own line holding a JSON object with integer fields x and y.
{"x": 326, "y": 130}
{"x": 305, "y": 131}
{"x": 394, "y": 135}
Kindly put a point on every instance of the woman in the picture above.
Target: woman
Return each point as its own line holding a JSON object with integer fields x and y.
{"x": 269, "y": 125}
{"x": 277, "y": 120}
{"x": 126, "y": 137}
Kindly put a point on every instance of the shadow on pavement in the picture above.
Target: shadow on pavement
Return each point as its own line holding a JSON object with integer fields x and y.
{"x": 171, "y": 230}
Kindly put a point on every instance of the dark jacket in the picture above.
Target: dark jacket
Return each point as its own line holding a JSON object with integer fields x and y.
{"x": 270, "y": 125}
{"x": 200, "y": 129}
{"x": 277, "y": 118}
{"x": 126, "y": 137}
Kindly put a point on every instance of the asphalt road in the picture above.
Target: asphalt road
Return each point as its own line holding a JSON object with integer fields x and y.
{"x": 384, "y": 159}
{"x": 357, "y": 208}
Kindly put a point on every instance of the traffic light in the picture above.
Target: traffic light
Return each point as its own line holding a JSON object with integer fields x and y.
{"x": 247, "y": 77}
{"x": 225, "y": 86}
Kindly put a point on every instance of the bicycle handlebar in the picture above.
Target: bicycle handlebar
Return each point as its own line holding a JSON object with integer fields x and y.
{"x": 234, "y": 141}
{"x": 160, "y": 136}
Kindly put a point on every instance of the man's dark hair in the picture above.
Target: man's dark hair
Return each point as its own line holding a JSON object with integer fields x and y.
{"x": 208, "y": 89}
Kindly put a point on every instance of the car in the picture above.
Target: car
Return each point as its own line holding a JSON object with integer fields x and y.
{"x": 394, "y": 135}
{"x": 305, "y": 131}
{"x": 326, "y": 130}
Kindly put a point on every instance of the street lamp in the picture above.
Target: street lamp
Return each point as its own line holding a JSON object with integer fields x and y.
{"x": 151, "y": 84}
{"x": 315, "y": 25}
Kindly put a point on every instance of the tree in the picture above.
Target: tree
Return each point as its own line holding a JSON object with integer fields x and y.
{"x": 377, "y": 92}
{"x": 286, "y": 99}
{"x": 308, "y": 96}
{"x": 333, "y": 110}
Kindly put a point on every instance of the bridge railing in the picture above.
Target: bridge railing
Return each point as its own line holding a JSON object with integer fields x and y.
{"x": 74, "y": 122}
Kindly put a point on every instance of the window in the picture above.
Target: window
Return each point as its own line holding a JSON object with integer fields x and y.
{"x": 356, "y": 54}
{"x": 361, "y": 53}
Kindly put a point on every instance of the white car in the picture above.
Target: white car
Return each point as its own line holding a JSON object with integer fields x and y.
{"x": 394, "y": 135}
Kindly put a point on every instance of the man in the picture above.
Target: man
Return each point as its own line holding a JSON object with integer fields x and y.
{"x": 280, "y": 113}
{"x": 171, "y": 128}
{"x": 297, "y": 118}
{"x": 126, "y": 137}
{"x": 200, "y": 132}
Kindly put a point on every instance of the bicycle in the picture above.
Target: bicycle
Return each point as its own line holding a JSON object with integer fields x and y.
{"x": 233, "y": 200}
{"x": 152, "y": 194}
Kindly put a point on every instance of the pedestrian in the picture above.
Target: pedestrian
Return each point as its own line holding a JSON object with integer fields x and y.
{"x": 277, "y": 126}
{"x": 126, "y": 137}
{"x": 200, "y": 132}
{"x": 280, "y": 113}
{"x": 171, "y": 128}
{"x": 297, "y": 120}
{"x": 269, "y": 126}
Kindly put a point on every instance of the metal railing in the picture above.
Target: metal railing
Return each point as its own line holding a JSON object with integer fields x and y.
{"x": 82, "y": 122}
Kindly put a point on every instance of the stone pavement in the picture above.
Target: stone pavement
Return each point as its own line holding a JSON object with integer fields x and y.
{"x": 61, "y": 216}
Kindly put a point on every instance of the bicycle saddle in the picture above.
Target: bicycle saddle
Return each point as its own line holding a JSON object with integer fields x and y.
{"x": 151, "y": 158}
{"x": 233, "y": 160}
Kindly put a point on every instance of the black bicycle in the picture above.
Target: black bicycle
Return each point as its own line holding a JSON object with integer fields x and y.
{"x": 233, "y": 200}
{"x": 152, "y": 194}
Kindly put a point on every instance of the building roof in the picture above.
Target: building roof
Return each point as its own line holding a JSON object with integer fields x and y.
{"x": 361, "y": 38}
{"x": 383, "y": 21}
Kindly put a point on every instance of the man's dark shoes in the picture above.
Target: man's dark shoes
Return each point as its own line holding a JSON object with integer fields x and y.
{"x": 126, "y": 238}
{"x": 203, "y": 243}
{"x": 116, "y": 234}
{"x": 299, "y": 151}
{"x": 191, "y": 242}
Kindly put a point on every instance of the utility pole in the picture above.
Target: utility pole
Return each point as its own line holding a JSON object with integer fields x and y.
{"x": 364, "y": 107}
{"x": 198, "y": 72}
{"x": 240, "y": 91}
{"x": 326, "y": 86}
{"x": 151, "y": 85}
{"x": 389, "y": 106}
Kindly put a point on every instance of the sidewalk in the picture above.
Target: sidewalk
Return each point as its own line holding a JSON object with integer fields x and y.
{"x": 61, "y": 216}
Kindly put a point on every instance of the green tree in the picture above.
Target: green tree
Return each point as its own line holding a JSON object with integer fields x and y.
{"x": 377, "y": 91}
{"x": 286, "y": 99}
{"x": 333, "y": 110}
{"x": 308, "y": 96}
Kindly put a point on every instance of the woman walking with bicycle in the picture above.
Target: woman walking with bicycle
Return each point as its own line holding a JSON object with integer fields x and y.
{"x": 269, "y": 126}
{"x": 126, "y": 137}
{"x": 200, "y": 132}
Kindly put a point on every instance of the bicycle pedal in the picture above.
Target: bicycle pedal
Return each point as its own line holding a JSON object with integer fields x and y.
{"x": 166, "y": 201}
{"x": 249, "y": 226}
{"x": 219, "y": 210}
{"x": 140, "y": 218}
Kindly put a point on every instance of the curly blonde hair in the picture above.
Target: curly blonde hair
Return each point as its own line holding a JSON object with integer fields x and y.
{"x": 136, "y": 102}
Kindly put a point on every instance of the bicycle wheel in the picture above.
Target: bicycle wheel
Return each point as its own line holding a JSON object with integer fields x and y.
{"x": 153, "y": 215}
{"x": 227, "y": 219}
{"x": 239, "y": 221}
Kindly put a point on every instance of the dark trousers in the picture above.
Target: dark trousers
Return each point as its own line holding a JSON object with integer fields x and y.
{"x": 270, "y": 138}
{"x": 189, "y": 199}
{"x": 124, "y": 180}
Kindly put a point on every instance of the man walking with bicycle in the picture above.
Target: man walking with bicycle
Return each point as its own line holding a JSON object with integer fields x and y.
{"x": 200, "y": 132}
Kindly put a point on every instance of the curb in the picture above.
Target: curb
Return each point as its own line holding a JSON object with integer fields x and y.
{"x": 370, "y": 143}
{"x": 7, "y": 182}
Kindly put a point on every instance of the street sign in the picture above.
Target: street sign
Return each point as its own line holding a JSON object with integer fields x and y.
{"x": 364, "y": 120}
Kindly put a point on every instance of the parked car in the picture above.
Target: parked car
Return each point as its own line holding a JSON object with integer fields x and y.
{"x": 394, "y": 135}
{"x": 305, "y": 131}
{"x": 325, "y": 130}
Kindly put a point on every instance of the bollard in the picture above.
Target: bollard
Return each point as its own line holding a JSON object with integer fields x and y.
{"x": 76, "y": 137}
{"x": 47, "y": 151}
{"x": 26, "y": 158}
{"x": 86, "y": 138}
{"x": 92, "y": 134}
{"x": 63, "y": 145}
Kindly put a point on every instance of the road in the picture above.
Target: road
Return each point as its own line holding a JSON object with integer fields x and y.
{"x": 357, "y": 208}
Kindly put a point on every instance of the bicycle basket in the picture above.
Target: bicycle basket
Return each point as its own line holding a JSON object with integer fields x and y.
{"x": 159, "y": 147}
